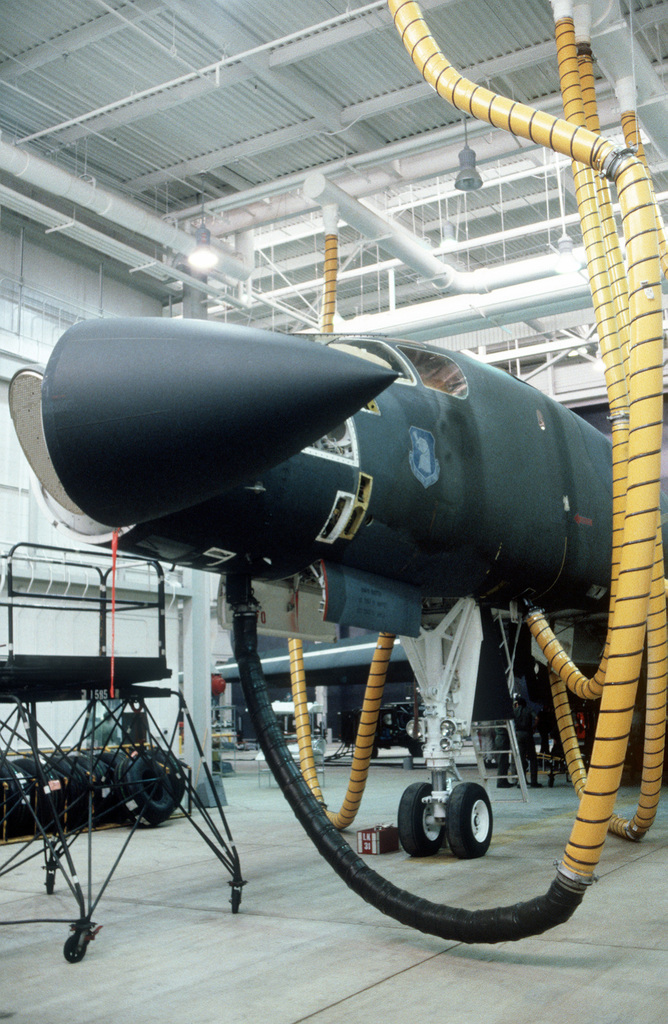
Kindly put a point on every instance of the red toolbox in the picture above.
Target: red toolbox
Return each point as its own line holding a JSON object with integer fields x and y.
{"x": 379, "y": 839}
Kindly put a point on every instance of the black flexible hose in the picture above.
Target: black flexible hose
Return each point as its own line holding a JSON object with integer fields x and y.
{"x": 500, "y": 924}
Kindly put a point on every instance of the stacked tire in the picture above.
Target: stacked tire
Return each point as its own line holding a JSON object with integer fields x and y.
{"x": 143, "y": 786}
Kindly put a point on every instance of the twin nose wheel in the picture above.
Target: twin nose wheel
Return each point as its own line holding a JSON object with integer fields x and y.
{"x": 467, "y": 828}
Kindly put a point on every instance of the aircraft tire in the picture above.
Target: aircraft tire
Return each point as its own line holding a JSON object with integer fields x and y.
{"x": 146, "y": 790}
{"x": 469, "y": 821}
{"x": 419, "y": 835}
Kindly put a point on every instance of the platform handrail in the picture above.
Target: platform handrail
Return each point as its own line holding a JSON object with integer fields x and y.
{"x": 97, "y": 601}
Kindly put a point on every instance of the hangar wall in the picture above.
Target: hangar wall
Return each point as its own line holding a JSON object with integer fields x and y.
{"x": 42, "y": 292}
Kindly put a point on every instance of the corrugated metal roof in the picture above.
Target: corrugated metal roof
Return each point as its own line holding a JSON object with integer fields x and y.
{"x": 128, "y": 95}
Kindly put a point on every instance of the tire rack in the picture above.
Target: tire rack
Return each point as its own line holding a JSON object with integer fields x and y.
{"x": 63, "y": 790}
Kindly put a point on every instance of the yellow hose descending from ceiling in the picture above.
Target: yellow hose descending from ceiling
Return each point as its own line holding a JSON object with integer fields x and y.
{"x": 575, "y": 766}
{"x": 302, "y": 720}
{"x": 632, "y": 138}
{"x": 331, "y": 268}
{"x": 555, "y": 656}
{"x": 373, "y": 695}
{"x": 610, "y": 297}
{"x": 366, "y": 732}
{"x": 655, "y": 721}
{"x": 645, "y": 381}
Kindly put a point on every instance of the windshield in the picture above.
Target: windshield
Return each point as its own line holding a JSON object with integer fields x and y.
{"x": 375, "y": 351}
{"x": 438, "y": 371}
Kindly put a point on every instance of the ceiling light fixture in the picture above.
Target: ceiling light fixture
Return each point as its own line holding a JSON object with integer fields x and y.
{"x": 468, "y": 176}
{"x": 567, "y": 262}
{"x": 203, "y": 256}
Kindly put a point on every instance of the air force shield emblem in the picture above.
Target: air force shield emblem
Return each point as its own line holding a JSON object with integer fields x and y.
{"x": 422, "y": 456}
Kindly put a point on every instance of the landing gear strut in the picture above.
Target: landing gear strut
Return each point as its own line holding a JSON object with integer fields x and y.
{"x": 445, "y": 661}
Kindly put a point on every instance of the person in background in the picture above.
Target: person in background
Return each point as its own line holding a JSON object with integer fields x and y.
{"x": 524, "y": 728}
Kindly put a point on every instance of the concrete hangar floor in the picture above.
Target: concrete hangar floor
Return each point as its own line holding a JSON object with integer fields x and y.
{"x": 305, "y": 948}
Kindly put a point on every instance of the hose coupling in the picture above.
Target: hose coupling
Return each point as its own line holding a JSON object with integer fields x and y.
{"x": 618, "y": 418}
{"x": 570, "y": 880}
{"x": 239, "y": 593}
{"x": 612, "y": 163}
{"x": 528, "y": 608}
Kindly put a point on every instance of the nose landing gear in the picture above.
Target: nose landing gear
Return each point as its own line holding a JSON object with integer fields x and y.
{"x": 445, "y": 660}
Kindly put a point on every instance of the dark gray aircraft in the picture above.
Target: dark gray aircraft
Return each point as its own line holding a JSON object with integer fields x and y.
{"x": 386, "y": 485}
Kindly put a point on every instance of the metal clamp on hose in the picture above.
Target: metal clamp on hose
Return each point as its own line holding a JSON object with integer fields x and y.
{"x": 612, "y": 163}
{"x": 573, "y": 882}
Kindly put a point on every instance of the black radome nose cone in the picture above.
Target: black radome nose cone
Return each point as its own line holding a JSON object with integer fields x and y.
{"x": 143, "y": 417}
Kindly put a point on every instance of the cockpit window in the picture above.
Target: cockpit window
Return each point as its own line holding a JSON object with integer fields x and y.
{"x": 437, "y": 371}
{"x": 373, "y": 350}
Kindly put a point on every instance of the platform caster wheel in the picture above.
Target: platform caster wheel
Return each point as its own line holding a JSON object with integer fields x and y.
{"x": 75, "y": 947}
{"x": 469, "y": 821}
{"x": 50, "y": 883}
{"x": 419, "y": 834}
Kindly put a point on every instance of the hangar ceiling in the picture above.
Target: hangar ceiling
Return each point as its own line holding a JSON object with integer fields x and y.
{"x": 126, "y": 124}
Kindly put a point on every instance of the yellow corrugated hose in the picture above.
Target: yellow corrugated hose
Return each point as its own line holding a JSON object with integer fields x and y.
{"x": 569, "y": 741}
{"x": 655, "y": 721}
{"x": 645, "y": 378}
{"x": 588, "y": 688}
{"x": 595, "y": 208}
{"x": 302, "y": 720}
{"x": 613, "y": 250}
{"x": 366, "y": 731}
{"x": 655, "y": 713}
{"x": 632, "y": 138}
{"x": 330, "y": 271}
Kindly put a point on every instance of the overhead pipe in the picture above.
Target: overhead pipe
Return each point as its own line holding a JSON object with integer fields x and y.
{"x": 400, "y": 243}
{"x": 458, "y": 314}
{"x": 623, "y": 61}
{"x": 418, "y": 157}
{"x": 392, "y": 238}
{"x": 211, "y": 69}
{"x": 45, "y": 175}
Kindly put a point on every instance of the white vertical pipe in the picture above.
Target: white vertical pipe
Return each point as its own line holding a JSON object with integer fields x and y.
{"x": 391, "y": 294}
